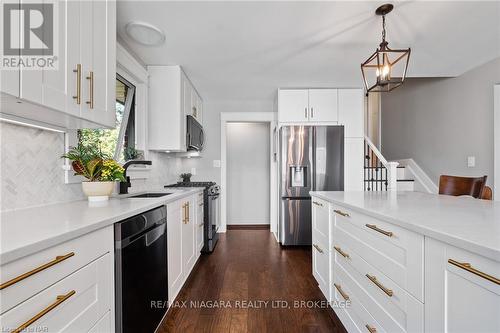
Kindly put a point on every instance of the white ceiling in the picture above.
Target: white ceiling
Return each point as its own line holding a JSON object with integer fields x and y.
{"x": 246, "y": 50}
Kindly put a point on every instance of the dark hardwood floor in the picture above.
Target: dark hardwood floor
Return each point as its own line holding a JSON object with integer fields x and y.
{"x": 248, "y": 265}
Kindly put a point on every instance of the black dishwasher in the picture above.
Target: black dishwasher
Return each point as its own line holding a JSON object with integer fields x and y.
{"x": 141, "y": 282}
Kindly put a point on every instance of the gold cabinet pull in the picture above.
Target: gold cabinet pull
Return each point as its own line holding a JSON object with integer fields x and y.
{"x": 187, "y": 214}
{"x": 200, "y": 225}
{"x": 15, "y": 280}
{"x": 374, "y": 227}
{"x": 468, "y": 267}
{"x": 339, "y": 250}
{"x": 318, "y": 204}
{"x": 341, "y": 213}
{"x": 184, "y": 213}
{"x": 320, "y": 250}
{"x": 59, "y": 300}
{"x": 90, "y": 102}
{"x": 371, "y": 329}
{"x": 341, "y": 292}
{"x": 373, "y": 279}
{"x": 78, "y": 72}
{"x": 201, "y": 204}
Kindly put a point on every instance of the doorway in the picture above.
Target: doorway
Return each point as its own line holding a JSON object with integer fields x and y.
{"x": 248, "y": 174}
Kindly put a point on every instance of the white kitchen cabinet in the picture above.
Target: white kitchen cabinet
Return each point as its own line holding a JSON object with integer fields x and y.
{"x": 75, "y": 288}
{"x": 174, "y": 247}
{"x": 353, "y": 164}
{"x": 321, "y": 245}
{"x": 323, "y": 105}
{"x": 188, "y": 236}
{"x": 170, "y": 101}
{"x": 182, "y": 244}
{"x": 293, "y": 105}
{"x": 80, "y": 93}
{"x": 350, "y": 102}
{"x": 457, "y": 297}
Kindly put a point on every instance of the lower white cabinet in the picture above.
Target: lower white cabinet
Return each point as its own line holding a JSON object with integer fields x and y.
{"x": 397, "y": 280}
{"x": 183, "y": 248}
{"x": 462, "y": 290}
{"x": 75, "y": 303}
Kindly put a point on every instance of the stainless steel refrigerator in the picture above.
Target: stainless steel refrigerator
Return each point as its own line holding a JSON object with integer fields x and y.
{"x": 311, "y": 159}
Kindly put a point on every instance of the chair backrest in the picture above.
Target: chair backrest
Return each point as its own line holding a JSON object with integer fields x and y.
{"x": 487, "y": 193}
{"x": 452, "y": 185}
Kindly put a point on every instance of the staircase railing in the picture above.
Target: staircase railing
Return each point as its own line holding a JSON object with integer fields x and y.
{"x": 380, "y": 175}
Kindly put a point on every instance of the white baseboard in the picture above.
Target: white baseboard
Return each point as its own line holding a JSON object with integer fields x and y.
{"x": 419, "y": 175}
{"x": 238, "y": 221}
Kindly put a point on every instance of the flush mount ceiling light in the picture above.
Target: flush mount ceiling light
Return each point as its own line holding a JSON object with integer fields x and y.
{"x": 385, "y": 69}
{"x": 145, "y": 33}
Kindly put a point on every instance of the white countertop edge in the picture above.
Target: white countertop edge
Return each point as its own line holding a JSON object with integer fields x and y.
{"x": 480, "y": 249}
{"x": 26, "y": 250}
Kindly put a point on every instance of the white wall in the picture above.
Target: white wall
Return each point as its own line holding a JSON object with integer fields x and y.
{"x": 248, "y": 163}
{"x": 439, "y": 122}
{"x": 205, "y": 171}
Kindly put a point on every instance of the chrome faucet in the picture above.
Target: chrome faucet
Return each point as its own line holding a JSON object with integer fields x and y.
{"x": 125, "y": 185}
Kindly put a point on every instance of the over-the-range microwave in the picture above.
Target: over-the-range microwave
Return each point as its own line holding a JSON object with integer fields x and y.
{"x": 195, "y": 136}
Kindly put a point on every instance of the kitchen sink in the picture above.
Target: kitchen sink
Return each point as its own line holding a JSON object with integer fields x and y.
{"x": 150, "y": 195}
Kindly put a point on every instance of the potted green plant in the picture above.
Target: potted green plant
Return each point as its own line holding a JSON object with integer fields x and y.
{"x": 186, "y": 177}
{"x": 100, "y": 171}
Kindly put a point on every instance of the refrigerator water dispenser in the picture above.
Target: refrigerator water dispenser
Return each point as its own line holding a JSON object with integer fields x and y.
{"x": 298, "y": 176}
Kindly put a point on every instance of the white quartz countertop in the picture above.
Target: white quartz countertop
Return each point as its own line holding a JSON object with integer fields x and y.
{"x": 26, "y": 231}
{"x": 464, "y": 222}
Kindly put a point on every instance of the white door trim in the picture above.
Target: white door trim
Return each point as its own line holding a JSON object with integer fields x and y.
{"x": 496, "y": 143}
{"x": 254, "y": 117}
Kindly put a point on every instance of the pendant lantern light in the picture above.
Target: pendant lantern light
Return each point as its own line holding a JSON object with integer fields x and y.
{"x": 385, "y": 69}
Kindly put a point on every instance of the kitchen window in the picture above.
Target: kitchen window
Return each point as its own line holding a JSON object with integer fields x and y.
{"x": 118, "y": 142}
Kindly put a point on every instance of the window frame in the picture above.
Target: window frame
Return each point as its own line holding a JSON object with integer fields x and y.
{"x": 126, "y": 113}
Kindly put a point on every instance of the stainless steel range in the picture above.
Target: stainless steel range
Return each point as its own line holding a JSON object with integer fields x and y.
{"x": 211, "y": 212}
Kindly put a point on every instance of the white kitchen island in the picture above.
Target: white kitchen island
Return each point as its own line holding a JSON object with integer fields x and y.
{"x": 408, "y": 261}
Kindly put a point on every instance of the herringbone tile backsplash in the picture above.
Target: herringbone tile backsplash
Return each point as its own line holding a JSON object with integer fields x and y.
{"x": 31, "y": 169}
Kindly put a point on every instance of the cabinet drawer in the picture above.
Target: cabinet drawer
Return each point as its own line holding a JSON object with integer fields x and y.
{"x": 320, "y": 222}
{"x": 395, "y": 251}
{"x": 51, "y": 265}
{"x": 405, "y": 310}
{"x": 74, "y": 304}
{"x": 389, "y": 316}
{"x": 358, "y": 316}
{"x": 321, "y": 267}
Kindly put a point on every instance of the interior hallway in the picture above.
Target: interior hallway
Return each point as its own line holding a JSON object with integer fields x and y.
{"x": 250, "y": 265}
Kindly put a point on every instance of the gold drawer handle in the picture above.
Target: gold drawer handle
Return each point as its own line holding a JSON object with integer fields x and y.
{"x": 341, "y": 213}
{"x": 374, "y": 227}
{"x": 468, "y": 267}
{"x": 90, "y": 102}
{"x": 78, "y": 72}
{"x": 320, "y": 250}
{"x": 15, "y": 280}
{"x": 341, "y": 292}
{"x": 318, "y": 203}
{"x": 371, "y": 329}
{"x": 59, "y": 300}
{"x": 373, "y": 279}
{"x": 339, "y": 250}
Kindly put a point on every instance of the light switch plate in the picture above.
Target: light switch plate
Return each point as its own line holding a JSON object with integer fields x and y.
{"x": 471, "y": 161}
{"x": 216, "y": 164}
{"x": 193, "y": 171}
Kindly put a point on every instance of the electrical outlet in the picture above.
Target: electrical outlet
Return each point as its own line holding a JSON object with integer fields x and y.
{"x": 216, "y": 164}
{"x": 471, "y": 161}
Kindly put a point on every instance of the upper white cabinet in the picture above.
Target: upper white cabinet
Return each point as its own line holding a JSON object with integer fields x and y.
{"x": 307, "y": 105}
{"x": 462, "y": 290}
{"x": 323, "y": 106}
{"x": 351, "y": 112}
{"x": 81, "y": 91}
{"x": 171, "y": 98}
{"x": 293, "y": 105}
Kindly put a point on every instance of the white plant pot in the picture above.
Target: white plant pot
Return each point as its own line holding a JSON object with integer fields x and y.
{"x": 98, "y": 191}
